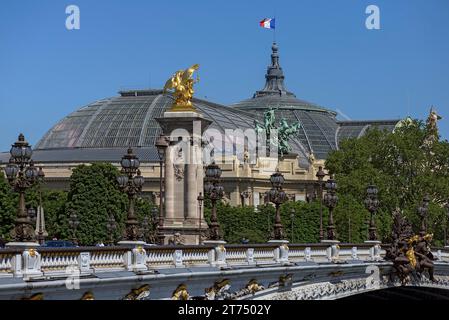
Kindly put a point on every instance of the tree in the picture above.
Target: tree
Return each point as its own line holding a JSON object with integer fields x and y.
{"x": 8, "y": 208}
{"x": 94, "y": 196}
{"x": 404, "y": 168}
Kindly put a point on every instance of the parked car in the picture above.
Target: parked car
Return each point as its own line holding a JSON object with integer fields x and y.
{"x": 59, "y": 244}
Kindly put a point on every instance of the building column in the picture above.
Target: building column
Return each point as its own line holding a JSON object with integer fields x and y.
{"x": 169, "y": 187}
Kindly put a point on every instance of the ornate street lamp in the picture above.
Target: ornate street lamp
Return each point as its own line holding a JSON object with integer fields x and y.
{"x": 320, "y": 175}
{"x": 423, "y": 210}
{"x": 111, "y": 226}
{"x": 131, "y": 182}
{"x": 277, "y": 196}
{"x": 330, "y": 201}
{"x": 372, "y": 204}
{"x": 74, "y": 223}
{"x": 214, "y": 191}
{"x": 200, "y": 200}
{"x": 162, "y": 144}
{"x": 22, "y": 174}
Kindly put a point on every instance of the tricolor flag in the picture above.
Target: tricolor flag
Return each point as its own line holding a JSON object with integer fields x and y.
{"x": 268, "y": 23}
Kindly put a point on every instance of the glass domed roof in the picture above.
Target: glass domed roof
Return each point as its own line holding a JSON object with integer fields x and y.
{"x": 128, "y": 120}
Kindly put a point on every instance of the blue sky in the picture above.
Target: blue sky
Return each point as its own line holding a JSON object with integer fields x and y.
{"x": 328, "y": 56}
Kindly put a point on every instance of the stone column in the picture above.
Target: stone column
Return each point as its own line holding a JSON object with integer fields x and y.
{"x": 182, "y": 187}
{"x": 169, "y": 186}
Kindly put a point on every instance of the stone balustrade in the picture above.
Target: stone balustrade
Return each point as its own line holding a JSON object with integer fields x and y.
{"x": 54, "y": 262}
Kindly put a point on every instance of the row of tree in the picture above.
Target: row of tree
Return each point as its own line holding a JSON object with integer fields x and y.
{"x": 93, "y": 196}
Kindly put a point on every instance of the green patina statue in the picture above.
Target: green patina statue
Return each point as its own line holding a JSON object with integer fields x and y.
{"x": 284, "y": 131}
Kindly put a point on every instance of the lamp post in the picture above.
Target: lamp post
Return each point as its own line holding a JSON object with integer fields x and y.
{"x": 22, "y": 174}
{"x": 320, "y": 175}
{"x": 372, "y": 204}
{"x": 200, "y": 200}
{"x": 423, "y": 210}
{"x": 330, "y": 201}
{"x": 131, "y": 183}
{"x": 40, "y": 225}
{"x": 445, "y": 225}
{"x": 162, "y": 144}
{"x": 277, "y": 196}
{"x": 215, "y": 192}
{"x": 111, "y": 226}
{"x": 292, "y": 217}
{"x": 74, "y": 222}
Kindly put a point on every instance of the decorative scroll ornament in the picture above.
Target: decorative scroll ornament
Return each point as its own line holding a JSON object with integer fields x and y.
{"x": 176, "y": 239}
{"x": 138, "y": 294}
{"x": 219, "y": 291}
{"x": 88, "y": 296}
{"x": 178, "y": 165}
{"x": 179, "y": 172}
{"x": 36, "y": 296}
{"x": 181, "y": 84}
{"x": 181, "y": 293}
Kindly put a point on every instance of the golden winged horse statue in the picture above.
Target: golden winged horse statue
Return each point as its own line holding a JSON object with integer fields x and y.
{"x": 182, "y": 85}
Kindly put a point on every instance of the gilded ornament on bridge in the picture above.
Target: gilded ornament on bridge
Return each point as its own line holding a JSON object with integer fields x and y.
{"x": 253, "y": 286}
{"x": 36, "y": 296}
{"x": 138, "y": 294}
{"x": 181, "y": 84}
{"x": 219, "y": 291}
{"x": 181, "y": 293}
{"x": 88, "y": 296}
{"x": 410, "y": 254}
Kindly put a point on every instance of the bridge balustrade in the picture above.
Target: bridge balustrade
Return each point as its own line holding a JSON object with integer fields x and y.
{"x": 48, "y": 262}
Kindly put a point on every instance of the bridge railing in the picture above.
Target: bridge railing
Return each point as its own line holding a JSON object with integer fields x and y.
{"x": 56, "y": 262}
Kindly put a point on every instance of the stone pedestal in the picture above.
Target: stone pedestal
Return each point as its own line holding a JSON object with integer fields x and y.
{"x": 333, "y": 250}
{"x": 281, "y": 252}
{"x": 217, "y": 255}
{"x": 374, "y": 250}
{"x": 183, "y": 175}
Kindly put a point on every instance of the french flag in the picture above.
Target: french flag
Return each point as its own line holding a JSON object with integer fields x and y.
{"x": 268, "y": 23}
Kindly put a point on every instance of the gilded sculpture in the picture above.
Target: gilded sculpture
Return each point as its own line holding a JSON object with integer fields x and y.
{"x": 181, "y": 84}
{"x": 410, "y": 254}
